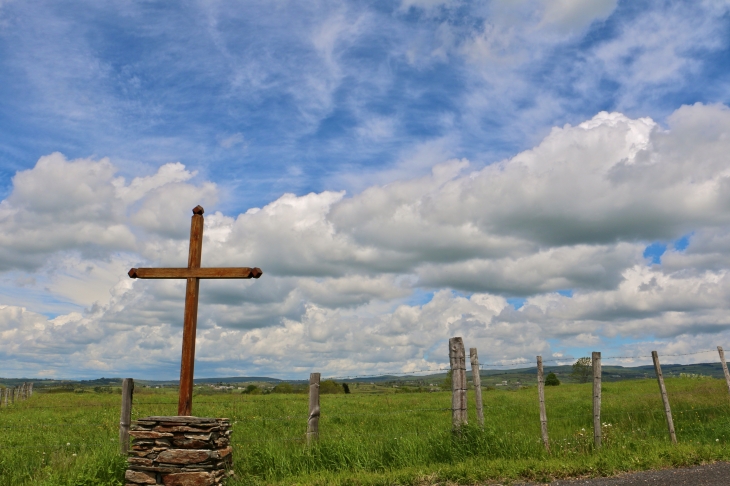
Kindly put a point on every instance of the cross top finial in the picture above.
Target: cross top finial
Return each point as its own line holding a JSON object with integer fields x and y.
{"x": 198, "y": 210}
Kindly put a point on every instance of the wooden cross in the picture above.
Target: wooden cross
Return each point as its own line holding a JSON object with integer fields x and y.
{"x": 193, "y": 273}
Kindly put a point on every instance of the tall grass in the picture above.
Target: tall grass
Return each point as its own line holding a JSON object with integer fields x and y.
{"x": 384, "y": 439}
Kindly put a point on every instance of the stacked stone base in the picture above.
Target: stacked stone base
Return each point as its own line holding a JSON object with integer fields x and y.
{"x": 179, "y": 451}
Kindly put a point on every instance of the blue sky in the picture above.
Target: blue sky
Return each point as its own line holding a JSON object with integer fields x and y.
{"x": 290, "y": 97}
{"x": 513, "y": 171}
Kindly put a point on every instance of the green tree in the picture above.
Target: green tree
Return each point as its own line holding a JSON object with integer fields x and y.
{"x": 330, "y": 386}
{"x": 582, "y": 370}
{"x": 446, "y": 384}
{"x": 551, "y": 380}
{"x": 252, "y": 390}
{"x": 283, "y": 388}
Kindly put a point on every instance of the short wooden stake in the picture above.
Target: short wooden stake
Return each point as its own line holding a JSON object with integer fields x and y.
{"x": 4, "y": 395}
{"x": 665, "y": 399}
{"x": 457, "y": 359}
{"x": 541, "y": 397}
{"x": 596, "y": 362}
{"x": 314, "y": 411}
{"x": 12, "y": 395}
{"x": 476, "y": 379}
{"x": 724, "y": 367}
{"x": 125, "y": 419}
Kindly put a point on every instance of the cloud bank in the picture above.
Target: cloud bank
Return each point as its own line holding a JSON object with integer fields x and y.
{"x": 379, "y": 280}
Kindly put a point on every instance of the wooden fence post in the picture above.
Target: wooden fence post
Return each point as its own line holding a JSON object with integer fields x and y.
{"x": 125, "y": 419}
{"x": 12, "y": 397}
{"x": 476, "y": 379}
{"x": 314, "y": 411}
{"x": 724, "y": 367}
{"x": 596, "y": 362}
{"x": 541, "y": 398}
{"x": 3, "y": 395}
{"x": 457, "y": 359}
{"x": 30, "y": 389}
{"x": 665, "y": 399}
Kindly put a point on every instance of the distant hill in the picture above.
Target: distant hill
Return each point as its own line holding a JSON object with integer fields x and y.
{"x": 489, "y": 377}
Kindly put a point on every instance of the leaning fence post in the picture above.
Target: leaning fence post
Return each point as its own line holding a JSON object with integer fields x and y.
{"x": 476, "y": 379}
{"x": 724, "y": 366}
{"x": 457, "y": 359}
{"x": 596, "y": 362}
{"x": 314, "y": 411}
{"x": 665, "y": 399}
{"x": 126, "y": 416}
{"x": 541, "y": 397}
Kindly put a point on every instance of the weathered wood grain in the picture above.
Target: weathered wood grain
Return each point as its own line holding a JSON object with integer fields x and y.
{"x": 314, "y": 411}
{"x": 212, "y": 272}
{"x": 125, "y": 418}
{"x": 541, "y": 398}
{"x": 476, "y": 379}
{"x": 457, "y": 359}
{"x": 596, "y": 361}
{"x": 190, "y": 318}
{"x": 724, "y": 367}
{"x": 665, "y": 399}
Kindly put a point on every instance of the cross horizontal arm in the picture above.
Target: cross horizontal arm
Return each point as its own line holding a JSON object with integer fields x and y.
{"x": 224, "y": 272}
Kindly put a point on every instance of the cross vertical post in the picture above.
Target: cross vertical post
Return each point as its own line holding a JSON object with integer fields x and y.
{"x": 190, "y": 321}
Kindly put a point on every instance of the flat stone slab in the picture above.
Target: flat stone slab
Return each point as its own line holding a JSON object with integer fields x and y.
{"x": 183, "y": 419}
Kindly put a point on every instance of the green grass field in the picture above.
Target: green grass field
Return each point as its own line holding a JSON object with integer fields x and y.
{"x": 382, "y": 438}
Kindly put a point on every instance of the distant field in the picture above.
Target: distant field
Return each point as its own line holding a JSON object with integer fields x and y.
{"x": 376, "y": 436}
